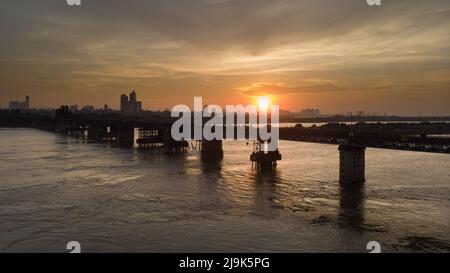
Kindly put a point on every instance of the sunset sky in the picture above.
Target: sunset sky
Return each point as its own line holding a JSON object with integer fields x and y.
{"x": 334, "y": 55}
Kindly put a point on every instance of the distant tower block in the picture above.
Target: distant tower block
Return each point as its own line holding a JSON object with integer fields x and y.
{"x": 27, "y": 103}
{"x": 212, "y": 149}
{"x": 352, "y": 163}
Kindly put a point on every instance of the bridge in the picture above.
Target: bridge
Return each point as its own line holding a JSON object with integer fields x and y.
{"x": 352, "y": 140}
{"x": 418, "y": 142}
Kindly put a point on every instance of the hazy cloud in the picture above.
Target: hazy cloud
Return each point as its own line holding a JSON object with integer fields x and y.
{"x": 104, "y": 47}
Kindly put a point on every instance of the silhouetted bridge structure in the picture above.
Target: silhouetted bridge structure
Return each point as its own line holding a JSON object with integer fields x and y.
{"x": 124, "y": 132}
{"x": 153, "y": 132}
{"x": 352, "y": 141}
{"x": 417, "y": 143}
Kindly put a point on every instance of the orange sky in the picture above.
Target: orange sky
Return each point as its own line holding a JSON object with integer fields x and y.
{"x": 390, "y": 59}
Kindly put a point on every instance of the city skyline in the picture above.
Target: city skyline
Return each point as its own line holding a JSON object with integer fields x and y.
{"x": 130, "y": 104}
{"x": 388, "y": 59}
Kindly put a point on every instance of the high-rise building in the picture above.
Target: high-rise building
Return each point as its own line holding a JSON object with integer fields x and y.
{"x": 138, "y": 106}
{"x": 124, "y": 104}
{"x": 27, "y": 102}
{"x": 131, "y": 105}
{"x": 361, "y": 113}
{"x": 133, "y": 97}
{"x": 17, "y": 105}
{"x": 309, "y": 113}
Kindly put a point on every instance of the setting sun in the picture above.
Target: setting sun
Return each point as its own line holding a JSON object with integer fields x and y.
{"x": 263, "y": 103}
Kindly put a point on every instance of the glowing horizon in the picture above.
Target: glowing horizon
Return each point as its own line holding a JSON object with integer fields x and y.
{"x": 348, "y": 57}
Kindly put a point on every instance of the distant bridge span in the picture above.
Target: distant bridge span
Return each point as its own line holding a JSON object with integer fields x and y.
{"x": 415, "y": 143}
{"x": 352, "y": 141}
{"x": 413, "y": 140}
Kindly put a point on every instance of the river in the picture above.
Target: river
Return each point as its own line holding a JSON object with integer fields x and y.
{"x": 55, "y": 189}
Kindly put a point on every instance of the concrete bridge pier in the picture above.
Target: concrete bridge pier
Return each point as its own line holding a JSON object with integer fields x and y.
{"x": 69, "y": 131}
{"x": 94, "y": 132}
{"x": 77, "y": 131}
{"x": 83, "y": 132}
{"x": 352, "y": 163}
{"x": 124, "y": 135}
{"x": 74, "y": 131}
{"x": 263, "y": 159}
{"x": 211, "y": 149}
{"x": 62, "y": 127}
{"x": 171, "y": 145}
